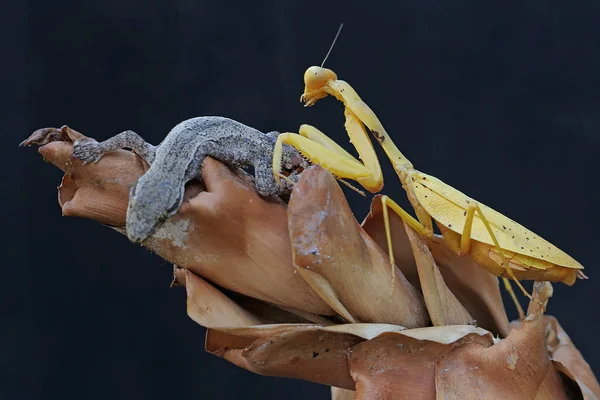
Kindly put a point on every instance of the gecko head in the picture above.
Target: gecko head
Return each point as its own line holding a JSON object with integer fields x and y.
{"x": 150, "y": 204}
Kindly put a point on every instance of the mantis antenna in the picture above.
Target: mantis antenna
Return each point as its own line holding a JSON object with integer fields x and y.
{"x": 333, "y": 44}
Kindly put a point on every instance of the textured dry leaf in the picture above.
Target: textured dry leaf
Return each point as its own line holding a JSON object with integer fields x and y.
{"x": 568, "y": 360}
{"x": 474, "y": 287}
{"x": 443, "y": 307}
{"x": 301, "y": 352}
{"x": 209, "y": 307}
{"x": 403, "y": 364}
{"x": 578, "y": 388}
{"x": 265, "y": 312}
{"x": 518, "y": 367}
{"x": 310, "y": 352}
{"x": 228, "y": 234}
{"x": 341, "y": 262}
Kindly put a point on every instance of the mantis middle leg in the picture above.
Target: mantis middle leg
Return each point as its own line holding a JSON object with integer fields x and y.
{"x": 423, "y": 227}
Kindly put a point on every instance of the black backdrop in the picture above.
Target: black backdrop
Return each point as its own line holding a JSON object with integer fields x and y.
{"x": 499, "y": 99}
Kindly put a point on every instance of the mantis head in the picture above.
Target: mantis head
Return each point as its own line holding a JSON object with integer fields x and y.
{"x": 315, "y": 83}
{"x": 316, "y": 79}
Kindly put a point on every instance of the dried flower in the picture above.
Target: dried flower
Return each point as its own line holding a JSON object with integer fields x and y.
{"x": 304, "y": 291}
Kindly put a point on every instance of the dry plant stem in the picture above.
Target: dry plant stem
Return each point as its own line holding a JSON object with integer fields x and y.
{"x": 341, "y": 262}
{"x": 475, "y": 288}
{"x": 227, "y": 234}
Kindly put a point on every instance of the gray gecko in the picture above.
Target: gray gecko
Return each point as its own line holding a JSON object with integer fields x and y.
{"x": 158, "y": 194}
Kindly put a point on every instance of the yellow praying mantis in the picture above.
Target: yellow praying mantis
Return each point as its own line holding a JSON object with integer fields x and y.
{"x": 494, "y": 241}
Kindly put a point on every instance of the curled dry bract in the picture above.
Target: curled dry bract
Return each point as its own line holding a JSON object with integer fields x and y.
{"x": 310, "y": 352}
{"x": 517, "y": 367}
{"x": 341, "y": 262}
{"x": 405, "y": 363}
{"x": 442, "y": 305}
{"x": 474, "y": 287}
{"x": 460, "y": 362}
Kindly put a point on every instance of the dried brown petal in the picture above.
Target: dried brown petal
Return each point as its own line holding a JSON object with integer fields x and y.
{"x": 474, "y": 287}
{"x": 310, "y": 352}
{"x": 274, "y": 314}
{"x": 517, "y": 367}
{"x": 88, "y": 202}
{"x": 568, "y": 360}
{"x": 403, "y": 364}
{"x": 228, "y": 234}
{"x": 301, "y": 352}
{"x": 341, "y": 262}
{"x": 260, "y": 311}
{"x": 98, "y": 191}
{"x": 209, "y": 307}
{"x": 443, "y": 307}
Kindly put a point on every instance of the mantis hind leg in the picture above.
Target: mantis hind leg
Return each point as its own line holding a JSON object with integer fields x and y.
{"x": 465, "y": 247}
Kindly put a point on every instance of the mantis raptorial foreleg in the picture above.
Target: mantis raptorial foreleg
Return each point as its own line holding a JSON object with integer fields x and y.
{"x": 312, "y": 133}
{"x": 318, "y": 148}
{"x": 336, "y": 163}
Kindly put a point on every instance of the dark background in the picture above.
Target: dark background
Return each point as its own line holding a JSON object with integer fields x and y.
{"x": 500, "y": 99}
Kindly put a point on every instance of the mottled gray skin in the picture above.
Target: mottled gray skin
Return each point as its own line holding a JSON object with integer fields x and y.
{"x": 158, "y": 193}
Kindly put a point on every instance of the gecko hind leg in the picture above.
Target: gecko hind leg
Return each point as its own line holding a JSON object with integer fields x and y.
{"x": 89, "y": 150}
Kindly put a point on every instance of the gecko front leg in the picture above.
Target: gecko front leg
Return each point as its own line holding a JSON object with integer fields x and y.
{"x": 265, "y": 184}
{"x": 89, "y": 150}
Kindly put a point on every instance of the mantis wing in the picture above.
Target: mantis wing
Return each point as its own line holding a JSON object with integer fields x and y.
{"x": 449, "y": 206}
